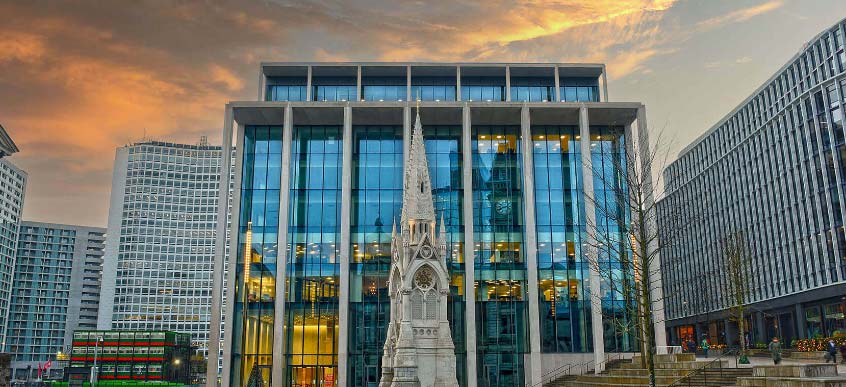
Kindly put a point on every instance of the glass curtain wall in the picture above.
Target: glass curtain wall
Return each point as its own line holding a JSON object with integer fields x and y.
{"x": 608, "y": 155}
{"x": 255, "y": 289}
{"x": 532, "y": 89}
{"x": 334, "y": 89}
{"x": 443, "y": 152}
{"x": 483, "y": 88}
{"x": 499, "y": 255}
{"x": 311, "y": 300}
{"x": 433, "y": 88}
{"x": 384, "y": 88}
{"x": 376, "y": 203}
{"x": 563, "y": 273}
{"x": 286, "y": 89}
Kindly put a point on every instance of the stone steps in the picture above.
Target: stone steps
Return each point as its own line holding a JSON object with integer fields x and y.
{"x": 794, "y": 375}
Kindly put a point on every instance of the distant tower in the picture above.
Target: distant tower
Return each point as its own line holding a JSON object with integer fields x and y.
{"x": 418, "y": 351}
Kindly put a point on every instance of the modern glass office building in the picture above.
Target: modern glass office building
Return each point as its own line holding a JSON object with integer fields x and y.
{"x": 57, "y": 291}
{"x": 774, "y": 170}
{"x": 318, "y": 184}
{"x": 159, "y": 256}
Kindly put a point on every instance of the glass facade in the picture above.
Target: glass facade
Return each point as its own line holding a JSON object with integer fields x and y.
{"x": 311, "y": 299}
{"x": 483, "y": 89}
{"x": 433, "y": 88}
{"x": 500, "y": 265}
{"x": 376, "y": 203}
{"x": 334, "y": 89}
{"x": 563, "y": 273}
{"x": 315, "y": 264}
{"x": 579, "y": 89}
{"x": 444, "y": 155}
{"x": 286, "y": 89}
{"x": 608, "y": 156}
{"x": 777, "y": 166}
{"x": 257, "y": 251}
{"x": 384, "y": 88}
{"x": 532, "y": 89}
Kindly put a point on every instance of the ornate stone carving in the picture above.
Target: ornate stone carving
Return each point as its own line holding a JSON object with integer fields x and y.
{"x": 421, "y": 286}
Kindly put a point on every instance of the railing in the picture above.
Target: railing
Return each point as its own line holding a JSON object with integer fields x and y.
{"x": 581, "y": 368}
{"x": 685, "y": 381}
{"x": 668, "y": 349}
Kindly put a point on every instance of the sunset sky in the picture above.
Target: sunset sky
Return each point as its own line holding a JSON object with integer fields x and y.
{"x": 78, "y": 79}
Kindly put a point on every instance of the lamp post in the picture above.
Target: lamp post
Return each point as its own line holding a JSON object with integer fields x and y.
{"x": 94, "y": 371}
{"x": 176, "y": 363}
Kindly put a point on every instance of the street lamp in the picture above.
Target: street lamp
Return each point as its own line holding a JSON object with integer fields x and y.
{"x": 176, "y": 363}
{"x": 94, "y": 371}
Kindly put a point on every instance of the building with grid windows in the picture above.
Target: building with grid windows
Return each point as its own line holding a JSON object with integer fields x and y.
{"x": 12, "y": 189}
{"x": 133, "y": 357}
{"x": 774, "y": 171}
{"x": 159, "y": 257}
{"x": 57, "y": 291}
{"x": 319, "y": 182}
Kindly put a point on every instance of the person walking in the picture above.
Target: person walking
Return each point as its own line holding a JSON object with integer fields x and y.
{"x": 691, "y": 345}
{"x": 831, "y": 349}
{"x": 775, "y": 350}
{"x": 843, "y": 352}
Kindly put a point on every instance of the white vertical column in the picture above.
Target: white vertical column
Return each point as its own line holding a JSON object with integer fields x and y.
{"x": 507, "y": 83}
{"x": 604, "y": 87}
{"x": 469, "y": 247}
{"x": 344, "y": 292}
{"x": 282, "y": 251}
{"x": 531, "y": 247}
{"x": 656, "y": 287}
{"x": 262, "y": 82}
{"x": 557, "y": 86}
{"x": 232, "y": 265}
{"x": 220, "y": 255}
{"x": 308, "y": 84}
{"x": 589, "y": 248}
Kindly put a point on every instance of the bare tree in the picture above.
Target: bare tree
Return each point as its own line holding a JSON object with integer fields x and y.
{"x": 623, "y": 239}
{"x": 736, "y": 262}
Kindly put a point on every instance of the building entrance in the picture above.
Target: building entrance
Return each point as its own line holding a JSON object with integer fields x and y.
{"x": 312, "y": 376}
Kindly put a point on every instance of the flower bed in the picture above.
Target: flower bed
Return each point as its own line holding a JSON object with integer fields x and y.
{"x": 818, "y": 344}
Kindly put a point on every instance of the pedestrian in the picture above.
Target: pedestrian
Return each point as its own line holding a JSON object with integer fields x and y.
{"x": 843, "y": 352}
{"x": 705, "y": 345}
{"x": 691, "y": 345}
{"x": 775, "y": 350}
{"x": 831, "y": 352}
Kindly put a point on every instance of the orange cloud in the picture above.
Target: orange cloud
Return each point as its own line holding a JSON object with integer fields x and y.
{"x": 742, "y": 14}
{"x": 20, "y": 46}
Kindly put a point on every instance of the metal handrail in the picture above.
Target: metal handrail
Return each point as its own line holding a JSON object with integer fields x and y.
{"x": 566, "y": 368}
{"x": 685, "y": 380}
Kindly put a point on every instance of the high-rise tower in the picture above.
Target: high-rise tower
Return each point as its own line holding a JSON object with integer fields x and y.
{"x": 418, "y": 351}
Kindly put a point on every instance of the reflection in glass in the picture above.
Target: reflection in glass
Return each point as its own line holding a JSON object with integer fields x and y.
{"x": 444, "y": 155}
{"x": 311, "y": 302}
{"x": 255, "y": 288}
{"x": 376, "y": 202}
{"x": 498, "y": 228}
{"x": 563, "y": 274}
{"x": 608, "y": 155}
